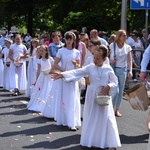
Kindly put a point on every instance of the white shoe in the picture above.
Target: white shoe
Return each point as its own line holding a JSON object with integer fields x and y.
{"x": 15, "y": 94}
{"x": 134, "y": 80}
{"x": 73, "y": 129}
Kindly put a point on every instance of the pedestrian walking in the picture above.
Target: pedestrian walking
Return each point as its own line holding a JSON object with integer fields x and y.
{"x": 120, "y": 55}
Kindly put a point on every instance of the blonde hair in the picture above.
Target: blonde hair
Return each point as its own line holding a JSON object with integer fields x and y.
{"x": 35, "y": 40}
{"x": 45, "y": 47}
{"x": 119, "y": 33}
{"x": 38, "y": 49}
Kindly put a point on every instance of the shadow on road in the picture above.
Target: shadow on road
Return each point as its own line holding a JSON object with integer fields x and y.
{"x": 42, "y": 130}
{"x": 57, "y": 144}
{"x": 12, "y": 99}
{"x": 134, "y": 139}
{"x": 16, "y": 112}
{"x": 35, "y": 120}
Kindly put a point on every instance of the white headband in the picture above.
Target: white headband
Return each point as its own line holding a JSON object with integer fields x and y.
{"x": 9, "y": 40}
{"x": 70, "y": 32}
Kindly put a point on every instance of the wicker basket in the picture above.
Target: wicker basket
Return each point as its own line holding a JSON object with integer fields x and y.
{"x": 102, "y": 100}
{"x": 18, "y": 64}
{"x": 8, "y": 64}
{"x": 46, "y": 71}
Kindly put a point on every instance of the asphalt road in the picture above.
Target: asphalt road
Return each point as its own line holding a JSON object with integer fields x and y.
{"x": 21, "y": 129}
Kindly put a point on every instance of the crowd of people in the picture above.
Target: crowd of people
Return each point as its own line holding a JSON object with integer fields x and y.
{"x": 60, "y": 68}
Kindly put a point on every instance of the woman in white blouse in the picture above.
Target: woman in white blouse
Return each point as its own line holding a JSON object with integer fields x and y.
{"x": 120, "y": 55}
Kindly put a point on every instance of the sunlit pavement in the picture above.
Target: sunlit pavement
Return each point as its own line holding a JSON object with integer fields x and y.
{"x": 22, "y": 129}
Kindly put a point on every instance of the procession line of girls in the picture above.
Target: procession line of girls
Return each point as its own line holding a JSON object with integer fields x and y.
{"x": 60, "y": 98}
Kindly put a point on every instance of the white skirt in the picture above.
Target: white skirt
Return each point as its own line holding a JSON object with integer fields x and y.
{"x": 99, "y": 125}
{"x": 6, "y": 83}
{"x": 1, "y": 71}
{"x": 68, "y": 104}
{"x": 40, "y": 93}
{"x": 17, "y": 76}
{"x": 31, "y": 73}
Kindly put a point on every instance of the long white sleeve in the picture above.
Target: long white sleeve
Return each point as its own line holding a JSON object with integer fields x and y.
{"x": 74, "y": 75}
{"x": 145, "y": 59}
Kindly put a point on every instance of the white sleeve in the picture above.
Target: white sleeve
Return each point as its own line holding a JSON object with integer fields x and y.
{"x": 59, "y": 55}
{"x": 25, "y": 49}
{"x": 0, "y": 48}
{"x": 103, "y": 42}
{"x": 111, "y": 46}
{"x": 145, "y": 59}
{"x": 51, "y": 60}
{"x": 107, "y": 61}
{"x": 88, "y": 61}
{"x": 78, "y": 56}
{"x": 76, "y": 74}
{"x": 38, "y": 61}
{"x": 129, "y": 48}
{"x": 113, "y": 81}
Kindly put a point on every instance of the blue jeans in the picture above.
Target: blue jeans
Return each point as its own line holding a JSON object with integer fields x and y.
{"x": 121, "y": 74}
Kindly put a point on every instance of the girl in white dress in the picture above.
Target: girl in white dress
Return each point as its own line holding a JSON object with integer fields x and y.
{"x": 44, "y": 82}
{"x": 92, "y": 44}
{"x": 6, "y": 84}
{"x": 99, "y": 124}
{"x": 30, "y": 70}
{"x": 68, "y": 100}
{"x": 18, "y": 55}
{"x": 1, "y": 67}
{"x": 79, "y": 45}
{"x": 35, "y": 61}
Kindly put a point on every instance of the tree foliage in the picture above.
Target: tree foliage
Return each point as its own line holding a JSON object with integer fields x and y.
{"x": 68, "y": 14}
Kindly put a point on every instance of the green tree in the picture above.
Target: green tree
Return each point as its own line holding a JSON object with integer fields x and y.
{"x": 67, "y": 14}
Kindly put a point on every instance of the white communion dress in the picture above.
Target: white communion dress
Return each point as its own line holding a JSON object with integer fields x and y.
{"x": 6, "y": 83}
{"x": 42, "y": 88}
{"x": 1, "y": 68}
{"x": 17, "y": 76}
{"x": 68, "y": 99}
{"x": 30, "y": 73}
{"x": 99, "y": 123}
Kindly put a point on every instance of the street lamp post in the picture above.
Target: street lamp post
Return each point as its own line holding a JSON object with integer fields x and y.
{"x": 124, "y": 15}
